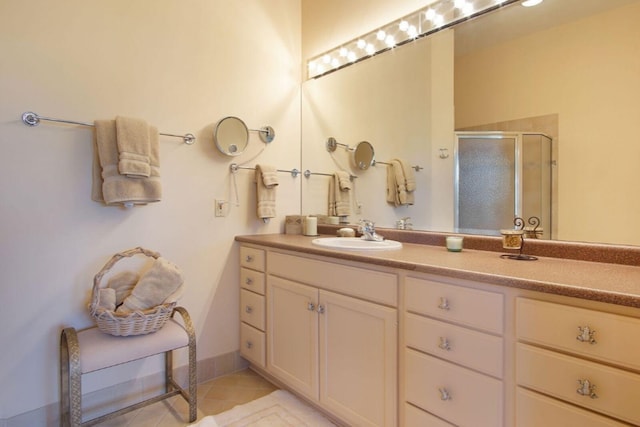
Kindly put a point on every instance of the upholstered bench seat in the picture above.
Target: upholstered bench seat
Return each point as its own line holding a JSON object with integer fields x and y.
{"x": 91, "y": 350}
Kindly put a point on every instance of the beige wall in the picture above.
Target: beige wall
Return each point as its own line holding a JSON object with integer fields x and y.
{"x": 181, "y": 66}
{"x": 596, "y": 102}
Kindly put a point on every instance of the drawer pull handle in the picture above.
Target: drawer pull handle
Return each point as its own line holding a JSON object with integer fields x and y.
{"x": 248, "y": 281}
{"x": 248, "y": 309}
{"x": 311, "y": 306}
{"x": 586, "y": 335}
{"x": 249, "y": 344}
{"x": 444, "y": 344}
{"x": 444, "y": 304}
{"x": 587, "y": 389}
{"x": 249, "y": 258}
{"x": 321, "y": 309}
{"x": 444, "y": 394}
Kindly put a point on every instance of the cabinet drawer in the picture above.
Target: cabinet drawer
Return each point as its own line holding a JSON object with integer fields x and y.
{"x": 558, "y": 375}
{"x": 470, "y": 307}
{"x": 473, "y": 399}
{"x": 414, "y": 417}
{"x": 371, "y": 285}
{"x": 463, "y": 346}
{"x": 252, "y": 344}
{"x": 535, "y": 410}
{"x": 252, "y": 280}
{"x": 252, "y": 309}
{"x": 616, "y": 337}
{"x": 252, "y": 258}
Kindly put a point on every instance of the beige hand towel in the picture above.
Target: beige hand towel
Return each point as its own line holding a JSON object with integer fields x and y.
{"x": 120, "y": 189}
{"x": 123, "y": 283}
{"x": 157, "y": 284}
{"x": 266, "y": 184}
{"x": 409, "y": 175}
{"x": 344, "y": 179}
{"x": 392, "y": 186}
{"x": 134, "y": 157}
{"x": 339, "y": 200}
{"x": 107, "y": 299}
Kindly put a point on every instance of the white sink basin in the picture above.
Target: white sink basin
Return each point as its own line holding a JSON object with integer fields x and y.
{"x": 356, "y": 243}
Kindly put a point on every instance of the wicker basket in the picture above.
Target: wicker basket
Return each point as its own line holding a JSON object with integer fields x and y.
{"x": 126, "y": 324}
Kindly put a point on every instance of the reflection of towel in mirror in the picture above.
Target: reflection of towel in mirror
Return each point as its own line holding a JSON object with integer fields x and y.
{"x": 401, "y": 183}
{"x": 109, "y": 186}
{"x": 266, "y": 183}
{"x": 339, "y": 194}
{"x": 133, "y": 147}
{"x": 155, "y": 286}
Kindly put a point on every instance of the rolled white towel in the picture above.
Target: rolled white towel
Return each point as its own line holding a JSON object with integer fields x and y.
{"x": 158, "y": 283}
{"x": 123, "y": 283}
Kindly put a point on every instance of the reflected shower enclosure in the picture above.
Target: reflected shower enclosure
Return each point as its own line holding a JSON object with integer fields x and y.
{"x": 500, "y": 176}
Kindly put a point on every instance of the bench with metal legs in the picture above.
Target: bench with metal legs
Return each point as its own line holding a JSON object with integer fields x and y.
{"x": 90, "y": 350}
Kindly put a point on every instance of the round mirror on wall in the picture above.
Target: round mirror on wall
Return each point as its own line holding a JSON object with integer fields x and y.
{"x": 231, "y": 136}
{"x": 363, "y": 155}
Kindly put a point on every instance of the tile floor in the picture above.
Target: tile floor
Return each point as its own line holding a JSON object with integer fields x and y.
{"x": 214, "y": 397}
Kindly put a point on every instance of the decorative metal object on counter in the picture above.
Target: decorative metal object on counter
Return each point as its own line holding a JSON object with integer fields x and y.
{"x": 513, "y": 239}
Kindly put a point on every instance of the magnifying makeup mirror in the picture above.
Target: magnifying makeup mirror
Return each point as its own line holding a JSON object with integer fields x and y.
{"x": 363, "y": 155}
{"x": 231, "y": 136}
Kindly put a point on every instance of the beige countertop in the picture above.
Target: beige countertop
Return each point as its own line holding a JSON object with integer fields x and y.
{"x": 598, "y": 281}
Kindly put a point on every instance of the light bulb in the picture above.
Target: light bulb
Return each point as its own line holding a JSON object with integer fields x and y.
{"x": 390, "y": 41}
{"x": 343, "y": 51}
{"x": 529, "y": 3}
{"x": 438, "y": 20}
{"x": 361, "y": 44}
{"x": 335, "y": 62}
{"x": 351, "y": 56}
{"x": 381, "y": 35}
{"x": 412, "y": 31}
{"x": 467, "y": 9}
{"x": 326, "y": 59}
{"x": 430, "y": 14}
{"x": 404, "y": 25}
{"x": 312, "y": 65}
{"x": 370, "y": 49}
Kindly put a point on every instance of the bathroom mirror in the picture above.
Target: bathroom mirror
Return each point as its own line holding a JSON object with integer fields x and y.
{"x": 231, "y": 136}
{"x": 566, "y": 68}
{"x": 363, "y": 155}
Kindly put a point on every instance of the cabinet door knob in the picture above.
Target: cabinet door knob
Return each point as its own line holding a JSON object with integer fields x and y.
{"x": 444, "y": 394}
{"x": 311, "y": 306}
{"x": 444, "y": 344}
{"x": 320, "y": 309}
{"x": 444, "y": 304}
{"x": 248, "y": 309}
{"x": 249, "y": 258}
{"x": 248, "y": 281}
{"x": 586, "y": 335}
{"x": 249, "y": 344}
{"x": 587, "y": 389}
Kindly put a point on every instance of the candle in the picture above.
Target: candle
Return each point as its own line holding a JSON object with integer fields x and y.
{"x": 454, "y": 243}
{"x": 311, "y": 226}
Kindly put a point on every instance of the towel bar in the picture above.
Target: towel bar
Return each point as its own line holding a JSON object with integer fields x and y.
{"x": 32, "y": 119}
{"x": 416, "y": 167}
{"x": 308, "y": 173}
{"x": 233, "y": 167}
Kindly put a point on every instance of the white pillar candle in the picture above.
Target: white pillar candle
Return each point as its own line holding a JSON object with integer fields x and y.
{"x": 311, "y": 226}
{"x": 454, "y": 243}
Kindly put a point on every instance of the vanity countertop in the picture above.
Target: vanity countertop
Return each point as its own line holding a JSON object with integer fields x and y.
{"x": 609, "y": 283}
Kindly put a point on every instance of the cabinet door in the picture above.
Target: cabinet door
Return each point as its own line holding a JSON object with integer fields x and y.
{"x": 358, "y": 360}
{"x": 292, "y": 334}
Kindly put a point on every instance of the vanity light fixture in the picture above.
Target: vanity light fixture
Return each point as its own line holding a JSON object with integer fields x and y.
{"x": 530, "y": 3}
{"x": 437, "y": 16}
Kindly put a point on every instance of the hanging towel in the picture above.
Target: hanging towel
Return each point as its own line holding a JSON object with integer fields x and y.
{"x": 266, "y": 183}
{"x": 401, "y": 183}
{"x": 134, "y": 157}
{"x": 339, "y": 194}
{"x": 155, "y": 287}
{"x": 109, "y": 186}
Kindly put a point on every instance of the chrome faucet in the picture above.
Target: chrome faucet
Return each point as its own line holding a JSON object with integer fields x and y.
{"x": 368, "y": 231}
{"x": 404, "y": 223}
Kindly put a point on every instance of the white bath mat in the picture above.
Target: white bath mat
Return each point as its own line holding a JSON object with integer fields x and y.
{"x": 278, "y": 409}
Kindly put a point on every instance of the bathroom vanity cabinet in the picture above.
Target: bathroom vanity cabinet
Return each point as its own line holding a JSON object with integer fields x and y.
{"x": 387, "y": 339}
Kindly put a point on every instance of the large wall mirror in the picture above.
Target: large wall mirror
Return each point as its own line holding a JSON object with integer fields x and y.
{"x": 569, "y": 69}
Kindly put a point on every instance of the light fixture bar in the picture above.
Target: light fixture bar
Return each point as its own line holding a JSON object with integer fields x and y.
{"x": 421, "y": 23}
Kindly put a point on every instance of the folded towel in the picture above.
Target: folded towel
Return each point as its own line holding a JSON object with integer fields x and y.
{"x": 123, "y": 283}
{"x": 339, "y": 199}
{"x": 344, "y": 180}
{"x": 266, "y": 184}
{"x": 113, "y": 188}
{"x": 107, "y": 299}
{"x": 155, "y": 286}
{"x": 133, "y": 147}
{"x": 400, "y": 183}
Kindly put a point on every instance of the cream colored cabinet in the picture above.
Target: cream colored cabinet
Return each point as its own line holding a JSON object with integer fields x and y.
{"x": 252, "y": 305}
{"x": 453, "y": 355}
{"x": 338, "y": 350}
{"x": 580, "y": 356}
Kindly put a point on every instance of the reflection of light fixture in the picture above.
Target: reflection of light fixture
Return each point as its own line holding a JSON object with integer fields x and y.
{"x": 435, "y": 17}
{"x": 529, "y": 3}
